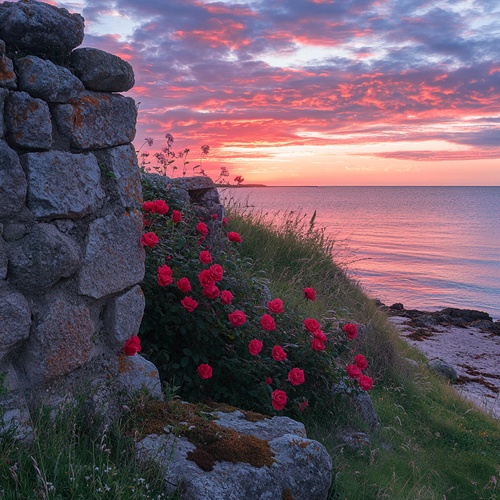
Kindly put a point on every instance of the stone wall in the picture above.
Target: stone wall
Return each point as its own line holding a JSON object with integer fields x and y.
{"x": 70, "y": 225}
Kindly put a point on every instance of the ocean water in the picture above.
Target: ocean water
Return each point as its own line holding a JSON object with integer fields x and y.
{"x": 427, "y": 247}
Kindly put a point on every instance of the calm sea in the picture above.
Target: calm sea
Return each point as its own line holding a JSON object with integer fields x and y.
{"x": 427, "y": 247}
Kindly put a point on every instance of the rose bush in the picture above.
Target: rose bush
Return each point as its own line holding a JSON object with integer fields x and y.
{"x": 209, "y": 331}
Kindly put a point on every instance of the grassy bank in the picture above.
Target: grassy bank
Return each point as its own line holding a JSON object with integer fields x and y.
{"x": 431, "y": 444}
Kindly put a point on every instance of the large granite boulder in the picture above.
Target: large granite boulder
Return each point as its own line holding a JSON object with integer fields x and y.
{"x": 101, "y": 71}
{"x": 40, "y": 28}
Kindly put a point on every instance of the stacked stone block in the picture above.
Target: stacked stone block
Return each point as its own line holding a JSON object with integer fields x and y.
{"x": 70, "y": 194}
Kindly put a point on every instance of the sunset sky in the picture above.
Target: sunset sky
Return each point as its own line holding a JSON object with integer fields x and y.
{"x": 315, "y": 92}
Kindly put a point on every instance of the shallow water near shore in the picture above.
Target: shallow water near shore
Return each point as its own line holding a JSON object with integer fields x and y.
{"x": 427, "y": 247}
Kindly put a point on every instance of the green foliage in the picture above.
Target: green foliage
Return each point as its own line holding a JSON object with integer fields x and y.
{"x": 178, "y": 341}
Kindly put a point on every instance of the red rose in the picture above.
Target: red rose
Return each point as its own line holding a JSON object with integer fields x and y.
{"x": 176, "y": 216}
{"x": 165, "y": 275}
{"x": 278, "y": 399}
{"x": 303, "y": 405}
{"x": 215, "y": 216}
{"x": 205, "y": 257}
{"x": 311, "y": 325}
{"x": 149, "y": 240}
{"x": 267, "y": 322}
{"x": 237, "y": 318}
{"x": 202, "y": 228}
{"x": 132, "y": 346}
{"x": 205, "y": 371}
{"x": 216, "y": 271}
{"x": 366, "y": 383}
{"x": 234, "y": 237}
{"x": 224, "y": 221}
{"x": 160, "y": 207}
{"x": 296, "y": 376}
{"x": 205, "y": 278}
{"x": 318, "y": 334}
{"x": 148, "y": 206}
{"x": 269, "y": 380}
{"x": 226, "y": 297}
{"x": 278, "y": 353}
{"x": 184, "y": 285}
{"x": 255, "y": 346}
{"x": 310, "y": 293}
{"x": 360, "y": 360}
{"x": 189, "y": 304}
{"x": 275, "y": 306}
{"x": 317, "y": 345}
{"x": 211, "y": 292}
{"x": 351, "y": 330}
{"x": 353, "y": 371}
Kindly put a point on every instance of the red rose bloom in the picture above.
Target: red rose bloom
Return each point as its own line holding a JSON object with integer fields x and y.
{"x": 360, "y": 360}
{"x": 205, "y": 278}
{"x": 237, "y": 318}
{"x": 351, "y": 330}
{"x": 132, "y": 346}
{"x": 202, "y": 228}
{"x": 205, "y": 371}
{"x": 255, "y": 346}
{"x": 184, "y": 285}
{"x": 278, "y": 353}
{"x": 317, "y": 345}
{"x": 160, "y": 207}
{"x": 267, "y": 322}
{"x": 269, "y": 380}
{"x": 353, "y": 371}
{"x": 234, "y": 237}
{"x": 215, "y": 216}
{"x": 148, "y": 206}
{"x": 165, "y": 275}
{"x": 149, "y": 240}
{"x": 366, "y": 383}
{"x": 226, "y": 297}
{"x": 278, "y": 399}
{"x": 176, "y": 216}
{"x": 311, "y": 325}
{"x": 224, "y": 221}
{"x": 189, "y": 304}
{"x": 275, "y": 306}
{"x": 319, "y": 334}
{"x": 303, "y": 405}
{"x": 211, "y": 292}
{"x": 205, "y": 257}
{"x": 310, "y": 293}
{"x": 216, "y": 271}
{"x": 296, "y": 376}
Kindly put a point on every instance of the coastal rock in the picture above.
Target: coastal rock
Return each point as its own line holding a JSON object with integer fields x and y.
{"x": 15, "y": 314}
{"x": 3, "y": 96}
{"x": 43, "y": 79}
{"x": 101, "y": 71}
{"x": 444, "y": 369}
{"x": 40, "y": 28}
{"x": 13, "y": 185}
{"x": 7, "y": 74}
{"x": 138, "y": 374}
{"x": 301, "y": 467}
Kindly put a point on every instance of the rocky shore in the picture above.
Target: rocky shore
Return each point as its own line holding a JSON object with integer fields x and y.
{"x": 462, "y": 344}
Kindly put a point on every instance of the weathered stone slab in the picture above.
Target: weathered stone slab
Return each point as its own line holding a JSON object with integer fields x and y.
{"x": 123, "y": 316}
{"x": 39, "y": 28}
{"x": 63, "y": 184}
{"x": 60, "y": 342}
{"x": 3, "y": 259}
{"x": 28, "y": 121}
{"x": 101, "y": 71}
{"x": 136, "y": 374}
{"x": 42, "y": 258}
{"x": 114, "y": 257}
{"x": 193, "y": 183}
{"x": 13, "y": 184}
{"x": 3, "y": 95}
{"x": 7, "y": 74}
{"x": 15, "y": 316}
{"x": 302, "y": 468}
{"x": 97, "y": 120}
{"x": 43, "y": 79}
{"x": 120, "y": 164}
